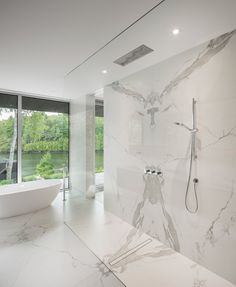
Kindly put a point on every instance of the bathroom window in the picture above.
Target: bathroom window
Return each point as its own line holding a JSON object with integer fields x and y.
{"x": 45, "y": 139}
{"x": 42, "y": 149}
{"x": 8, "y": 139}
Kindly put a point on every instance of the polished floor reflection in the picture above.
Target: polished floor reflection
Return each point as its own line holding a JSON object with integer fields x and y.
{"x": 78, "y": 244}
{"x": 38, "y": 249}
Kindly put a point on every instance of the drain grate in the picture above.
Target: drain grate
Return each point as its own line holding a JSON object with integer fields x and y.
{"x": 130, "y": 252}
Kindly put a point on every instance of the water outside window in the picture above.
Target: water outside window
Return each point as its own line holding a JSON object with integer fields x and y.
{"x": 45, "y": 139}
{"x": 44, "y": 145}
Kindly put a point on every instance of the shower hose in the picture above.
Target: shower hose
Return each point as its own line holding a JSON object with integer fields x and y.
{"x": 195, "y": 181}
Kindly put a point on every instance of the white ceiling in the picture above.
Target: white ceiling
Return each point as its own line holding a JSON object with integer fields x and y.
{"x": 41, "y": 41}
{"x": 198, "y": 21}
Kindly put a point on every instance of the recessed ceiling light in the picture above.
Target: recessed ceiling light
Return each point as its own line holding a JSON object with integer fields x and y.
{"x": 175, "y": 31}
{"x": 104, "y": 71}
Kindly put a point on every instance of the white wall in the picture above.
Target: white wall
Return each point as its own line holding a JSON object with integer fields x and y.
{"x": 134, "y": 141}
{"x": 82, "y": 137}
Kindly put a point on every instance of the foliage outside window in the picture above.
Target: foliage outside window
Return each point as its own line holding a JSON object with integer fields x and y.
{"x": 45, "y": 138}
{"x": 8, "y": 139}
{"x": 99, "y": 132}
{"x": 44, "y": 145}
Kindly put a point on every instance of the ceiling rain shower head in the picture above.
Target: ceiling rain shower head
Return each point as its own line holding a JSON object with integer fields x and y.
{"x": 133, "y": 55}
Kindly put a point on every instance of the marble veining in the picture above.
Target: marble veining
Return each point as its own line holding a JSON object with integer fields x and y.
{"x": 154, "y": 97}
{"x": 153, "y": 195}
{"x": 211, "y": 236}
{"x": 131, "y": 238}
{"x": 149, "y": 265}
{"x": 150, "y": 102}
{"x": 151, "y": 99}
{"x": 38, "y": 249}
{"x": 212, "y": 49}
{"x": 224, "y": 134}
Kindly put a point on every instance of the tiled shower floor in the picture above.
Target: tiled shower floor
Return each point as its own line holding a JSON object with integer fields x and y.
{"x": 134, "y": 257}
{"x": 64, "y": 246}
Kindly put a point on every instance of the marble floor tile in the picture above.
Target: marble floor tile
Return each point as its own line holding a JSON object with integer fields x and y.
{"x": 38, "y": 249}
{"x": 116, "y": 243}
{"x": 78, "y": 244}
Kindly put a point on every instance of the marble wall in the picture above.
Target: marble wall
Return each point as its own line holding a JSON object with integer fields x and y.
{"x": 140, "y": 132}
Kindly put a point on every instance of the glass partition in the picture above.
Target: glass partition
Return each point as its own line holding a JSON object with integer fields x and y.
{"x": 8, "y": 139}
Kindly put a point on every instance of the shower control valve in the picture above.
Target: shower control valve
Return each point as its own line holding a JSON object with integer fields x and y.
{"x": 147, "y": 171}
{"x": 152, "y": 171}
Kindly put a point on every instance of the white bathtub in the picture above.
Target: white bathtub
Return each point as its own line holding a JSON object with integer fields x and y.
{"x": 16, "y": 199}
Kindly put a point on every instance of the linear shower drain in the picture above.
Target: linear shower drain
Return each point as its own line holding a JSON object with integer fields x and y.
{"x": 130, "y": 252}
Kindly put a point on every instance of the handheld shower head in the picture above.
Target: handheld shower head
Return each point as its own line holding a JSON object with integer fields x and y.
{"x": 184, "y": 126}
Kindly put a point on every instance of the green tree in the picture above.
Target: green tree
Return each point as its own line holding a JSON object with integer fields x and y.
{"x": 57, "y": 127}
{"x": 34, "y": 126}
{"x": 8, "y": 138}
{"x": 45, "y": 168}
{"x": 6, "y": 134}
{"x": 99, "y": 133}
{"x": 43, "y": 132}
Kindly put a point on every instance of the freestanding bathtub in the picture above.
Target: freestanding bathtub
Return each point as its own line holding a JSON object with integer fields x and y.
{"x": 16, "y": 199}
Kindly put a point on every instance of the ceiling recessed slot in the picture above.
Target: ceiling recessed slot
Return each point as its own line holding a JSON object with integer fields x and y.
{"x": 133, "y": 55}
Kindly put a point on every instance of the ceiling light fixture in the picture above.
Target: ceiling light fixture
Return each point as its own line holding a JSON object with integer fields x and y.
{"x": 104, "y": 71}
{"x": 175, "y": 31}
